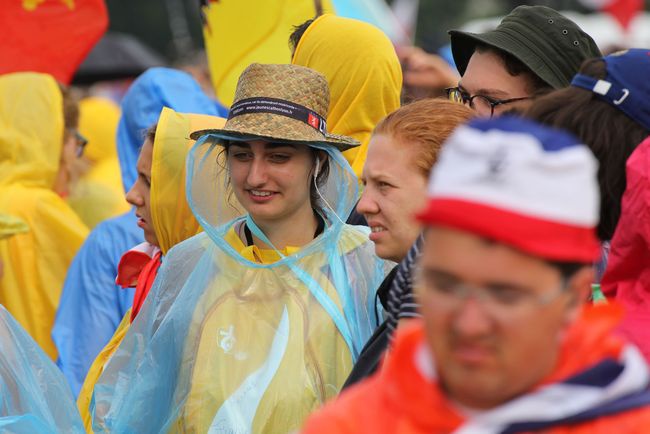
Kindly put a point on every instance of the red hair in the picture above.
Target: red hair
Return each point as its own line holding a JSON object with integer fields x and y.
{"x": 425, "y": 124}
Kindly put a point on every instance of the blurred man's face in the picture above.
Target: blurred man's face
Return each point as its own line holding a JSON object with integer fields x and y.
{"x": 486, "y": 75}
{"x": 494, "y": 316}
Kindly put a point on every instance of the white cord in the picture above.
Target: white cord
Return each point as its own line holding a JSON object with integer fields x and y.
{"x": 316, "y": 170}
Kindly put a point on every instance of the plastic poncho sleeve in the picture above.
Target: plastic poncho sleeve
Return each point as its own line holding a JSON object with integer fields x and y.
{"x": 35, "y": 262}
{"x": 83, "y": 402}
{"x": 92, "y": 305}
{"x": 35, "y": 398}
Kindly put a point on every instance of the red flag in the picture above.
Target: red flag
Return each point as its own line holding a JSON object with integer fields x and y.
{"x": 624, "y": 11}
{"x": 51, "y": 36}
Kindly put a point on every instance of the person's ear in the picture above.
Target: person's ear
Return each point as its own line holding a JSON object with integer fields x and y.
{"x": 322, "y": 156}
{"x": 579, "y": 289}
{"x": 319, "y": 163}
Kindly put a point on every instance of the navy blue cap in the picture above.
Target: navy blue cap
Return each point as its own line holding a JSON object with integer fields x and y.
{"x": 627, "y": 85}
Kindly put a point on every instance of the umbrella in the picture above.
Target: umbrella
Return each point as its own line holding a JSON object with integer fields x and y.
{"x": 116, "y": 56}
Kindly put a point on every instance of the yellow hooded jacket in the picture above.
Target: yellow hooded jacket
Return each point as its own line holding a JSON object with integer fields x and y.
{"x": 363, "y": 72}
{"x": 99, "y": 194}
{"x": 10, "y": 225}
{"x": 35, "y": 262}
{"x": 171, "y": 216}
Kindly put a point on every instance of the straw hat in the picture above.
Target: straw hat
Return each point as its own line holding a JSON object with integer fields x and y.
{"x": 280, "y": 103}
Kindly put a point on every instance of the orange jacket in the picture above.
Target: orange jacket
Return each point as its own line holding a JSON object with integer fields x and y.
{"x": 399, "y": 400}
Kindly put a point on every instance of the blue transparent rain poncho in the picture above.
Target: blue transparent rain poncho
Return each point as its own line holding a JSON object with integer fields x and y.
{"x": 34, "y": 396}
{"x": 224, "y": 344}
{"x": 92, "y": 304}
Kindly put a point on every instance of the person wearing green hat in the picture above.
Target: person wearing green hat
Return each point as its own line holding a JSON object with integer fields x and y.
{"x": 534, "y": 50}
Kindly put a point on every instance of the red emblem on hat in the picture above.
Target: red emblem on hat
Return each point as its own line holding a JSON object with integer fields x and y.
{"x": 313, "y": 120}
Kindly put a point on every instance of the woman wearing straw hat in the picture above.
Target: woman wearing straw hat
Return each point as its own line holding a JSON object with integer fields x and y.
{"x": 256, "y": 322}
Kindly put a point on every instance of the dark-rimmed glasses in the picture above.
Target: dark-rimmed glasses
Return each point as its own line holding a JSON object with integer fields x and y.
{"x": 81, "y": 143}
{"x": 480, "y": 103}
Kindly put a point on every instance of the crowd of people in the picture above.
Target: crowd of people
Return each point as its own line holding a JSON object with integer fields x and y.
{"x": 335, "y": 252}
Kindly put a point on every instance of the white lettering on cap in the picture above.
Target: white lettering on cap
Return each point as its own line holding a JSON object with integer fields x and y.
{"x": 602, "y": 87}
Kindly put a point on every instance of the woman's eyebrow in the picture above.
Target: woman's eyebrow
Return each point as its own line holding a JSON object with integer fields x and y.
{"x": 280, "y": 145}
{"x": 240, "y": 145}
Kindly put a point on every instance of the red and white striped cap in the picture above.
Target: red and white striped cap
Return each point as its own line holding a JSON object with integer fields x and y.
{"x": 521, "y": 184}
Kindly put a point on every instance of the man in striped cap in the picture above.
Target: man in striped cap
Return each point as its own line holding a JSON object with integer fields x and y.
{"x": 508, "y": 342}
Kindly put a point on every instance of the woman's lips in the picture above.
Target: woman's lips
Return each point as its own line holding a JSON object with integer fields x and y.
{"x": 377, "y": 232}
{"x": 260, "y": 196}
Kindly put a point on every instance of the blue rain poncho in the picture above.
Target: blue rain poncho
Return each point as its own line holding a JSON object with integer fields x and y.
{"x": 92, "y": 305}
{"x": 225, "y": 344}
{"x": 34, "y": 396}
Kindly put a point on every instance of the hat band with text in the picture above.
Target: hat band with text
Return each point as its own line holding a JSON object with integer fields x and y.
{"x": 278, "y": 107}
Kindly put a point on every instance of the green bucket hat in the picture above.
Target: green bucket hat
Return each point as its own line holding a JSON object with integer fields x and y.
{"x": 280, "y": 103}
{"x": 548, "y": 43}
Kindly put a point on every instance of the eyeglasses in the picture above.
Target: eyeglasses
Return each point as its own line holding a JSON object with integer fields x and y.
{"x": 480, "y": 103}
{"x": 81, "y": 143}
{"x": 502, "y": 304}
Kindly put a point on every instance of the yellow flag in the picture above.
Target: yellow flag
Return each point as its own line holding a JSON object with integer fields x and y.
{"x": 240, "y": 32}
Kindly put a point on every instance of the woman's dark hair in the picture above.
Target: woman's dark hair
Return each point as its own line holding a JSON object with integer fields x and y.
{"x": 321, "y": 178}
{"x": 610, "y": 134}
{"x": 297, "y": 33}
{"x": 70, "y": 108}
{"x": 150, "y": 133}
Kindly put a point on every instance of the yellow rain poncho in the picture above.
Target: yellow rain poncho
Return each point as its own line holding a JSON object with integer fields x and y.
{"x": 35, "y": 262}
{"x": 99, "y": 193}
{"x": 227, "y": 344}
{"x": 363, "y": 72}
{"x": 10, "y": 225}
{"x": 172, "y": 218}
{"x": 235, "y": 37}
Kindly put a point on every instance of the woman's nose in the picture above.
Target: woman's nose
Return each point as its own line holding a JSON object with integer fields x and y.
{"x": 133, "y": 196}
{"x": 367, "y": 205}
{"x": 257, "y": 173}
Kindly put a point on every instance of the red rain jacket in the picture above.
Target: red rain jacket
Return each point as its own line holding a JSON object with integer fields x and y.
{"x": 627, "y": 277}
